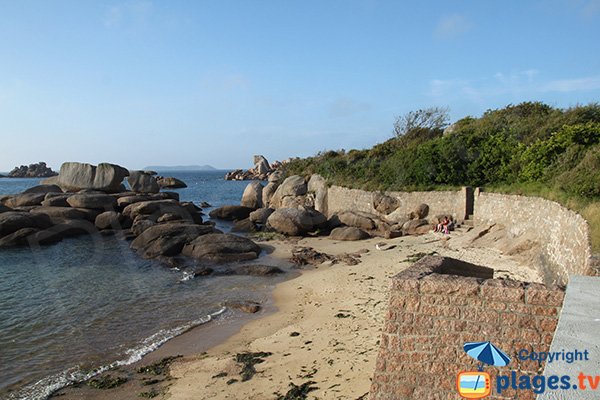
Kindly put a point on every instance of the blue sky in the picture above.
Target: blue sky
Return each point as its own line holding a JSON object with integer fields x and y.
{"x": 145, "y": 82}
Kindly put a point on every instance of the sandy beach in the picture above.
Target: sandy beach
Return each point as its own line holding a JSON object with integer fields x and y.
{"x": 325, "y": 332}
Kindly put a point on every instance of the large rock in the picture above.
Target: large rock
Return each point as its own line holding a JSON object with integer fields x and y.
{"x": 318, "y": 186}
{"x": 357, "y": 219}
{"x": 348, "y": 233}
{"x": 60, "y": 214}
{"x": 56, "y": 200}
{"x": 39, "y": 170}
{"x": 140, "y": 225}
{"x": 4, "y": 208}
{"x": 385, "y": 204}
{"x": 170, "y": 182}
{"x": 156, "y": 207}
{"x": 95, "y": 201}
{"x": 25, "y": 200}
{"x": 261, "y": 165}
{"x": 58, "y": 232}
{"x": 112, "y": 220}
{"x": 261, "y": 215}
{"x": 268, "y": 192}
{"x": 75, "y": 176}
{"x": 220, "y": 247}
{"x": 243, "y": 226}
{"x": 17, "y": 238}
{"x": 12, "y": 221}
{"x": 142, "y": 182}
{"x": 231, "y": 213}
{"x": 168, "y": 239}
{"x": 44, "y": 189}
{"x": 420, "y": 212}
{"x": 295, "y": 222}
{"x": 292, "y": 186}
{"x": 415, "y": 227}
{"x": 252, "y": 197}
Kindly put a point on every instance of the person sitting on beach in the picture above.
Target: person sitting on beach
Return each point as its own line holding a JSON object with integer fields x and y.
{"x": 445, "y": 225}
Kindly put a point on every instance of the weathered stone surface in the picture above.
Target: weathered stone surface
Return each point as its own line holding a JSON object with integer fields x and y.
{"x": 25, "y": 200}
{"x": 93, "y": 201}
{"x": 415, "y": 227}
{"x": 295, "y": 222}
{"x": 170, "y": 182}
{"x": 17, "y": 238}
{"x": 75, "y": 176}
{"x": 141, "y": 182}
{"x": 276, "y": 177}
{"x": 243, "y": 226}
{"x": 169, "y": 217}
{"x": 12, "y": 221}
{"x": 357, "y": 219}
{"x": 58, "y": 214}
{"x": 261, "y": 165}
{"x": 348, "y": 233}
{"x": 150, "y": 207}
{"x": 261, "y": 215}
{"x": 222, "y": 248}
{"x": 112, "y": 220}
{"x": 56, "y": 200}
{"x": 247, "y": 306}
{"x": 268, "y": 192}
{"x": 68, "y": 228}
{"x": 385, "y": 204}
{"x": 231, "y": 213}
{"x": 291, "y": 186}
{"x": 318, "y": 186}
{"x": 167, "y": 239}
{"x": 252, "y": 197}
{"x": 4, "y": 208}
{"x": 39, "y": 170}
{"x": 140, "y": 225}
{"x": 44, "y": 189}
{"x": 420, "y": 212}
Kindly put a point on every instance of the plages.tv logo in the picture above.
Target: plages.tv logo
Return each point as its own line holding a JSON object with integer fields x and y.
{"x": 477, "y": 384}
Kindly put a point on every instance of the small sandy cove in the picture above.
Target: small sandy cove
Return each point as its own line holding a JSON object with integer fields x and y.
{"x": 327, "y": 325}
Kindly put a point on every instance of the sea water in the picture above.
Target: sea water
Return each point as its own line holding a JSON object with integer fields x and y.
{"x": 70, "y": 310}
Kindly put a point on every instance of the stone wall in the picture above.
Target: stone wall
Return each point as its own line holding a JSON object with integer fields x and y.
{"x": 432, "y": 314}
{"x": 562, "y": 234}
{"x": 343, "y": 199}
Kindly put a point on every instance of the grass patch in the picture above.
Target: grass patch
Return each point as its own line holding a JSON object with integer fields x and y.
{"x": 149, "y": 394}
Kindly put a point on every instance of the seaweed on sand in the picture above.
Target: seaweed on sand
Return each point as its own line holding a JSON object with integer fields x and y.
{"x": 106, "y": 382}
{"x": 248, "y": 361}
{"x": 298, "y": 392}
{"x": 159, "y": 367}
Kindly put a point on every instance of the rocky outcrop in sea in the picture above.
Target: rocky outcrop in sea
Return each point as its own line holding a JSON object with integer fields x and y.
{"x": 261, "y": 170}
{"x": 89, "y": 200}
{"x": 39, "y": 170}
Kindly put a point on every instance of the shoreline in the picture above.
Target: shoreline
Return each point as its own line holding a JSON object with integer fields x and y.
{"x": 325, "y": 333}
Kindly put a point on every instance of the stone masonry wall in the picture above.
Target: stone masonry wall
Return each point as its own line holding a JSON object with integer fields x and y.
{"x": 563, "y": 234}
{"x": 342, "y": 199}
{"x": 432, "y": 314}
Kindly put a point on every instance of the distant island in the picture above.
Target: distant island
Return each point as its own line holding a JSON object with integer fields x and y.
{"x": 181, "y": 168}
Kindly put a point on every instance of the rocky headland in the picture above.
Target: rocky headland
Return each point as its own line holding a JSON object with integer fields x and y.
{"x": 262, "y": 170}
{"x": 39, "y": 170}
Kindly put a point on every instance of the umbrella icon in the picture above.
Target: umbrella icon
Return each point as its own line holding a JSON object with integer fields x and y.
{"x": 486, "y": 353}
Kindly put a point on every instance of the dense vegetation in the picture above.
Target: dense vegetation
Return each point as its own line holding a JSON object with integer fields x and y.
{"x": 529, "y": 148}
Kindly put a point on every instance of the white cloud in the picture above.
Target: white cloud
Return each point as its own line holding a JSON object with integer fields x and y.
{"x": 515, "y": 83}
{"x": 572, "y": 85}
{"x": 450, "y": 26}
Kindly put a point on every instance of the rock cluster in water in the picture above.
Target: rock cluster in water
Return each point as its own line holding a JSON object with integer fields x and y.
{"x": 89, "y": 200}
{"x": 261, "y": 170}
{"x": 39, "y": 170}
